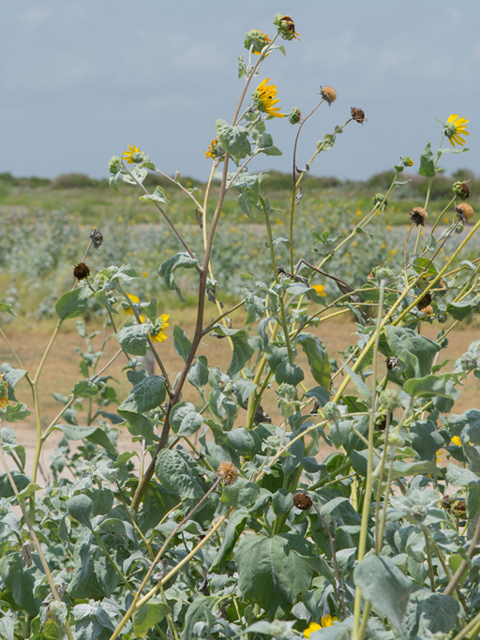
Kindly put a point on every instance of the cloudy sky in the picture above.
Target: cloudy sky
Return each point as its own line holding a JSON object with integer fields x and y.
{"x": 82, "y": 79}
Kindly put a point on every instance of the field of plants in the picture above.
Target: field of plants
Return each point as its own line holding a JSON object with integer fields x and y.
{"x": 303, "y": 461}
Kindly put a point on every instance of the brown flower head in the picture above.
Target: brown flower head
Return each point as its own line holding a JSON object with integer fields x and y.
{"x": 81, "y": 271}
{"x": 392, "y": 362}
{"x": 446, "y": 502}
{"x": 424, "y": 301}
{"x": 418, "y": 216}
{"x": 461, "y": 189}
{"x": 358, "y": 115}
{"x": 96, "y": 238}
{"x": 302, "y": 501}
{"x": 459, "y": 508}
{"x": 227, "y": 471}
{"x": 328, "y": 94}
{"x": 428, "y": 310}
{"x": 464, "y": 212}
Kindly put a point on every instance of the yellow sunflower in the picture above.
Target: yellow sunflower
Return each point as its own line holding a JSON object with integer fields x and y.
{"x": 127, "y": 155}
{"x": 455, "y": 128}
{"x": 158, "y": 332}
{"x": 135, "y": 300}
{"x": 3, "y": 391}
{"x": 326, "y": 621}
{"x": 456, "y": 440}
{"x": 264, "y": 98}
{"x": 319, "y": 289}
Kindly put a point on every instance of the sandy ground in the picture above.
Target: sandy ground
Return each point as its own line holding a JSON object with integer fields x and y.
{"x": 61, "y": 370}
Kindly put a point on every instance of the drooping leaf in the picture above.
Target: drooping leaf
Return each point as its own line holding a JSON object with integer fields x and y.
{"x": 184, "y": 419}
{"x": 175, "y": 474}
{"x": 234, "y": 139}
{"x": 317, "y": 356}
{"x": 415, "y": 351}
{"x": 168, "y": 268}
{"x": 133, "y": 338}
{"x": 181, "y": 343}
{"x": 427, "y": 163}
{"x": 148, "y": 615}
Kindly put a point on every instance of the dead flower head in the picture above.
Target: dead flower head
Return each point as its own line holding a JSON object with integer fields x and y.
{"x": 81, "y": 271}
{"x": 227, "y": 471}
{"x": 424, "y": 301}
{"x": 418, "y": 216}
{"x": 328, "y": 94}
{"x": 464, "y": 212}
{"x": 285, "y": 26}
{"x": 358, "y": 115}
{"x": 302, "y": 501}
{"x": 96, "y": 238}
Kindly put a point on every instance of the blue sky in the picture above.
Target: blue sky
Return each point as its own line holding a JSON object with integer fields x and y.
{"x": 82, "y": 79}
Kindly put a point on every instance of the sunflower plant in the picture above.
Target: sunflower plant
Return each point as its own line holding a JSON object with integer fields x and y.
{"x": 290, "y": 494}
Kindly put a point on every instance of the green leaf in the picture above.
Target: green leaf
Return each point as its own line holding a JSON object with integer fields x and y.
{"x": 175, "y": 474}
{"x": 80, "y": 508}
{"x": 85, "y": 389}
{"x": 415, "y": 351}
{"x": 430, "y": 386}
{"x": 157, "y": 196}
{"x": 133, "y": 338}
{"x": 242, "y": 493}
{"x": 430, "y": 613}
{"x": 181, "y": 343}
{"x": 234, "y": 139}
{"x": 145, "y": 396}
{"x": 245, "y": 441}
{"x": 148, "y": 615}
{"x": 168, "y": 268}
{"x": 232, "y": 533}
{"x": 73, "y": 303}
{"x": 6, "y": 308}
{"x": 272, "y": 571}
{"x": 359, "y": 385}
{"x": 197, "y": 612}
{"x": 13, "y": 413}
{"x": 385, "y": 587}
{"x": 55, "y": 617}
{"x": 184, "y": 419}
{"x": 242, "y": 351}
{"x": 255, "y": 308}
{"x": 249, "y": 199}
{"x": 289, "y": 372}
{"x": 426, "y": 440}
{"x": 94, "y": 434}
{"x": 22, "y": 481}
{"x": 317, "y": 356}
{"x": 198, "y": 373}
{"x": 427, "y": 163}
{"x": 459, "y": 310}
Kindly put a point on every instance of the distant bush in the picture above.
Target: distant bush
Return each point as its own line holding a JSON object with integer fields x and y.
{"x": 73, "y": 181}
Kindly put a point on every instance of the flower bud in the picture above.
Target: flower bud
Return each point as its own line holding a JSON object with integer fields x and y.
{"x": 406, "y": 161}
{"x": 390, "y": 399}
{"x": 114, "y": 164}
{"x": 396, "y": 440}
{"x": 331, "y": 411}
{"x": 379, "y": 199}
{"x": 285, "y": 26}
{"x": 294, "y": 116}
{"x": 256, "y": 41}
{"x": 461, "y": 189}
{"x": 215, "y": 150}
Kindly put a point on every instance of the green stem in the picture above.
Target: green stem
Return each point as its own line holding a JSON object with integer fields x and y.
{"x": 369, "y": 480}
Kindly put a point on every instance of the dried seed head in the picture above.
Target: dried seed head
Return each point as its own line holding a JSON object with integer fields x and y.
{"x": 424, "y": 301}
{"x": 302, "y": 501}
{"x": 96, "y": 238}
{"x": 358, "y": 115}
{"x": 285, "y": 26}
{"x": 464, "y": 212}
{"x": 428, "y": 310}
{"x": 461, "y": 189}
{"x": 392, "y": 362}
{"x": 446, "y": 502}
{"x": 227, "y": 471}
{"x": 418, "y": 216}
{"x": 459, "y": 508}
{"x": 328, "y": 94}
{"x": 81, "y": 271}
